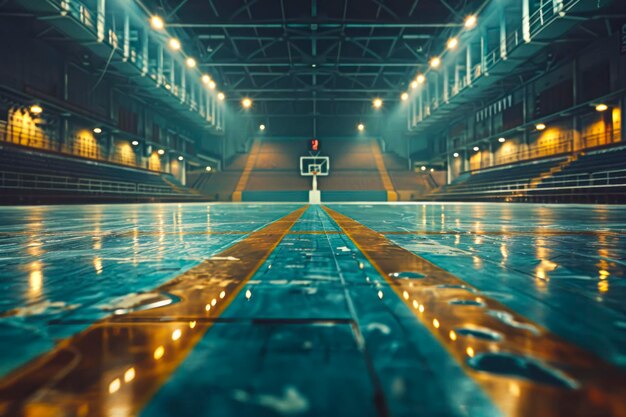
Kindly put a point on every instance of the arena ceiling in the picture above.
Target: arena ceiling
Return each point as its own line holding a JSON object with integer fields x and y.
{"x": 312, "y": 62}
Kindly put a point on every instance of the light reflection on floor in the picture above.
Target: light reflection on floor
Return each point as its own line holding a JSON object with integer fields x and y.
{"x": 561, "y": 267}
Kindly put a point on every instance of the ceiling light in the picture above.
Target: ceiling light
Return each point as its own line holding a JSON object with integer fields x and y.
{"x": 261, "y": 127}
{"x": 191, "y": 63}
{"x": 212, "y": 85}
{"x": 602, "y": 107}
{"x": 540, "y": 126}
{"x": 97, "y": 130}
{"x": 157, "y": 23}
{"x": 360, "y": 127}
{"x": 404, "y": 96}
{"x": 501, "y": 140}
{"x": 476, "y": 148}
{"x": 421, "y": 78}
{"x": 36, "y": 109}
{"x": 221, "y": 96}
{"x": 180, "y": 158}
{"x": 206, "y": 79}
{"x": 414, "y": 85}
{"x": 174, "y": 44}
{"x": 161, "y": 152}
{"x": 208, "y": 169}
{"x": 423, "y": 168}
{"x": 435, "y": 62}
{"x": 246, "y": 103}
{"x": 134, "y": 143}
{"x": 378, "y": 103}
{"x": 456, "y": 154}
{"x": 470, "y": 22}
{"x": 453, "y": 43}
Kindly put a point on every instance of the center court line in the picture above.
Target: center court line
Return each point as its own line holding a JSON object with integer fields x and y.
{"x": 493, "y": 344}
{"x": 117, "y": 364}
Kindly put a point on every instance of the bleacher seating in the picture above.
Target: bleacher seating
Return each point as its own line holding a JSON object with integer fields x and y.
{"x": 601, "y": 173}
{"x": 496, "y": 183}
{"x": 48, "y": 176}
{"x": 275, "y": 168}
{"x": 598, "y": 176}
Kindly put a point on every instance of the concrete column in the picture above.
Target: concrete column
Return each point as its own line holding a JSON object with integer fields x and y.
{"x": 100, "y": 19}
{"x": 437, "y": 89}
{"x": 183, "y": 85}
{"x": 144, "y": 51}
{"x": 468, "y": 65}
{"x": 483, "y": 53}
{"x": 503, "y": 51}
{"x": 446, "y": 84}
{"x": 172, "y": 72}
{"x": 214, "y": 110}
{"x": 126, "y": 40}
{"x": 526, "y": 20}
{"x": 623, "y": 119}
{"x": 457, "y": 78}
{"x": 420, "y": 112}
{"x": 160, "y": 65}
{"x": 576, "y": 128}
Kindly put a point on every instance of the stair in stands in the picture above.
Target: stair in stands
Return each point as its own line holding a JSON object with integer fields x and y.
{"x": 534, "y": 183}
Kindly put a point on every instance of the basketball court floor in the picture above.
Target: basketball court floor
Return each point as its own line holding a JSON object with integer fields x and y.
{"x": 297, "y": 310}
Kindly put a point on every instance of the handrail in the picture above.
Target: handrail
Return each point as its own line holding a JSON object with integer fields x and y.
{"x": 595, "y": 179}
{"x": 46, "y": 182}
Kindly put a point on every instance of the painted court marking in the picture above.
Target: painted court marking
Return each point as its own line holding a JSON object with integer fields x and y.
{"x": 525, "y": 369}
{"x": 117, "y": 364}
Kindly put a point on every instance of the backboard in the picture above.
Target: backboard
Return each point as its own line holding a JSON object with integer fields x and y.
{"x": 317, "y": 164}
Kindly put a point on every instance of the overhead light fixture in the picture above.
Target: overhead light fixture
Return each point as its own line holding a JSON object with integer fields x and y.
{"x": 360, "y": 127}
{"x": 206, "y": 79}
{"x": 180, "y": 158}
{"x": 501, "y": 140}
{"x": 36, "y": 109}
{"x": 540, "y": 126}
{"x": 135, "y": 143}
{"x": 157, "y": 22}
{"x": 470, "y": 22}
{"x": 191, "y": 63}
{"x": 432, "y": 170}
{"x": 421, "y": 78}
{"x": 212, "y": 85}
{"x": 174, "y": 44}
{"x": 208, "y": 169}
{"x": 423, "y": 168}
{"x": 221, "y": 96}
{"x": 404, "y": 96}
{"x": 456, "y": 154}
{"x": 97, "y": 130}
{"x": 261, "y": 127}
{"x": 246, "y": 103}
{"x": 378, "y": 103}
{"x": 476, "y": 148}
{"x": 602, "y": 107}
{"x": 435, "y": 62}
{"x": 161, "y": 152}
{"x": 453, "y": 43}
{"x": 313, "y": 65}
{"x": 414, "y": 85}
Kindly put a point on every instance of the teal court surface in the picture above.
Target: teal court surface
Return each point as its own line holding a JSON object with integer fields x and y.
{"x": 295, "y": 310}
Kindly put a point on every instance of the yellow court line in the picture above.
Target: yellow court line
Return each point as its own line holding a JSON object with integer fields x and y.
{"x": 449, "y": 307}
{"x": 117, "y": 364}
